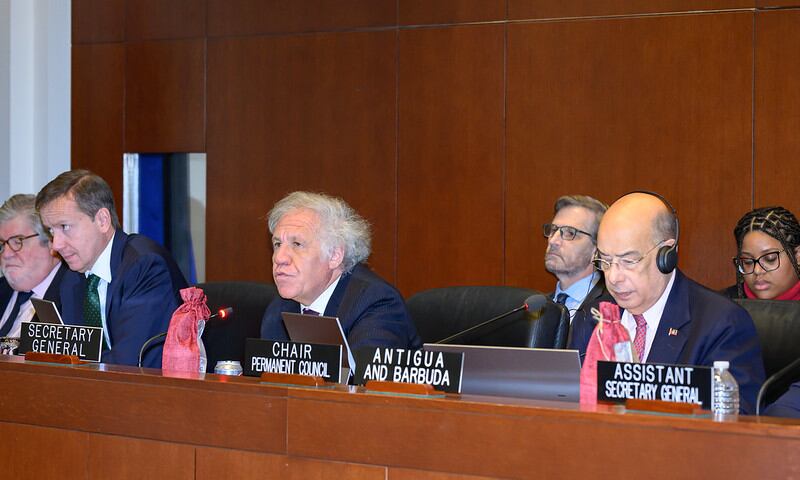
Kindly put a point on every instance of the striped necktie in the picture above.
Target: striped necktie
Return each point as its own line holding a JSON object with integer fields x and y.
{"x": 22, "y": 297}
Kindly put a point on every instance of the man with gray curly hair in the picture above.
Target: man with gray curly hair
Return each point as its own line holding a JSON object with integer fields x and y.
{"x": 319, "y": 247}
{"x": 29, "y": 265}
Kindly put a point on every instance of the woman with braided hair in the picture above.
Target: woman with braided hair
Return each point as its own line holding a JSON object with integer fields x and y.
{"x": 768, "y": 242}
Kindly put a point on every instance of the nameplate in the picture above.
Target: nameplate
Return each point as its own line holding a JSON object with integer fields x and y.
{"x": 441, "y": 369}
{"x": 619, "y": 381}
{"x": 292, "y": 357}
{"x": 83, "y": 342}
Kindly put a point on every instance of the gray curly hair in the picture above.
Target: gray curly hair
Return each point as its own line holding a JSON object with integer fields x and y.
{"x": 339, "y": 224}
{"x": 24, "y": 205}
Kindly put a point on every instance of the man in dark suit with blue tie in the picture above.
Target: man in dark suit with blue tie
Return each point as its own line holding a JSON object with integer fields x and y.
{"x": 670, "y": 318}
{"x": 319, "y": 246}
{"x": 127, "y": 284}
{"x": 571, "y": 241}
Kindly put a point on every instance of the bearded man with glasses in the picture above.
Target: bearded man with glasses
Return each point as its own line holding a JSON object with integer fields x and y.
{"x": 670, "y": 318}
{"x": 29, "y": 266}
{"x": 571, "y": 239}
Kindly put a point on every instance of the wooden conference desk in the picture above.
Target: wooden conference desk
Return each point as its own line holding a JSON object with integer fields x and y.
{"x": 119, "y": 422}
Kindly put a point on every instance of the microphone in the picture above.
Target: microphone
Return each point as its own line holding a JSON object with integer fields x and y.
{"x": 222, "y": 314}
{"x": 534, "y": 303}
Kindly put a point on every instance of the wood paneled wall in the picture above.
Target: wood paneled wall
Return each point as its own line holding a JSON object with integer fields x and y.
{"x": 451, "y": 125}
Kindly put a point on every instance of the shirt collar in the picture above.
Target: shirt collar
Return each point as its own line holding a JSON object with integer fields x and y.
{"x": 102, "y": 266}
{"x": 41, "y": 289}
{"x": 578, "y": 290}
{"x": 321, "y": 303}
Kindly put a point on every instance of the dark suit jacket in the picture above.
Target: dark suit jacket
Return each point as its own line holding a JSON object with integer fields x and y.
{"x": 52, "y": 293}
{"x": 710, "y": 327}
{"x": 371, "y": 311}
{"x": 143, "y": 293}
{"x": 583, "y": 316}
{"x": 788, "y": 405}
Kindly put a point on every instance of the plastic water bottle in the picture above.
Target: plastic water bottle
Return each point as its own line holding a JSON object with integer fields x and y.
{"x": 201, "y": 325}
{"x": 725, "y": 395}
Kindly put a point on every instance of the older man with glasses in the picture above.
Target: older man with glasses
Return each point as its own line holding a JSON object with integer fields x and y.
{"x": 29, "y": 265}
{"x": 670, "y": 318}
{"x": 571, "y": 239}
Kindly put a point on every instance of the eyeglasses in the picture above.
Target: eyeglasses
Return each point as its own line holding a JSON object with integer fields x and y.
{"x": 623, "y": 263}
{"x": 567, "y": 232}
{"x": 769, "y": 261}
{"x": 15, "y": 243}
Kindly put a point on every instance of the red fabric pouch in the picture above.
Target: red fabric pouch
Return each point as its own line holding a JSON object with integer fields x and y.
{"x": 183, "y": 348}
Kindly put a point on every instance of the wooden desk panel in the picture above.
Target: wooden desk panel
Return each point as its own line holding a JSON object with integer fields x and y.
{"x": 215, "y": 463}
{"x": 520, "y": 441}
{"x": 216, "y": 427}
{"x": 142, "y": 459}
{"x": 25, "y": 447}
{"x": 124, "y": 401}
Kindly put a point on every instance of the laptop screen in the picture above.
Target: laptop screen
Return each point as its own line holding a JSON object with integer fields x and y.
{"x": 46, "y": 311}
{"x": 536, "y": 373}
{"x": 317, "y": 329}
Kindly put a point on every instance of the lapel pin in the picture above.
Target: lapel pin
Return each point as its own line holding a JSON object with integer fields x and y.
{"x": 672, "y": 332}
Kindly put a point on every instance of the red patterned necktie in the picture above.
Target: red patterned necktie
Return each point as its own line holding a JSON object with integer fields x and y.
{"x": 641, "y": 334}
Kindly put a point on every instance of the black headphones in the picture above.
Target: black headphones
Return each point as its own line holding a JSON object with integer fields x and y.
{"x": 667, "y": 256}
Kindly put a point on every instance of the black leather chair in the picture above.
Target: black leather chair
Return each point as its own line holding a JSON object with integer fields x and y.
{"x": 441, "y": 312}
{"x": 225, "y": 339}
{"x": 778, "y": 326}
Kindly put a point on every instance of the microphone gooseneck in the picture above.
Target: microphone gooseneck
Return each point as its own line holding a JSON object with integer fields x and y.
{"x": 147, "y": 343}
{"x": 222, "y": 314}
{"x": 533, "y": 303}
{"x": 774, "y": 378}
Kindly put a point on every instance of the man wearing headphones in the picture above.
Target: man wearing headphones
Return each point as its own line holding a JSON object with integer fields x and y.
{"x": 670, "y": 318}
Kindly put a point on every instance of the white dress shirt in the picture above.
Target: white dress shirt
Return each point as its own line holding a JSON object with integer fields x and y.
{"x": 26, "y": 311}
{"x": 577, "y": 292}
{"x": 321, "y": 302}
{"x": 102, "y": 268}
{"x": 653, "y": 317}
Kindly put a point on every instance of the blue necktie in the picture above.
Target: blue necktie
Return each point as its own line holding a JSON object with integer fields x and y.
{"x": 22, "y": 297}
{"x": 563, "y": 323}
{"x": 308, "y": 311}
